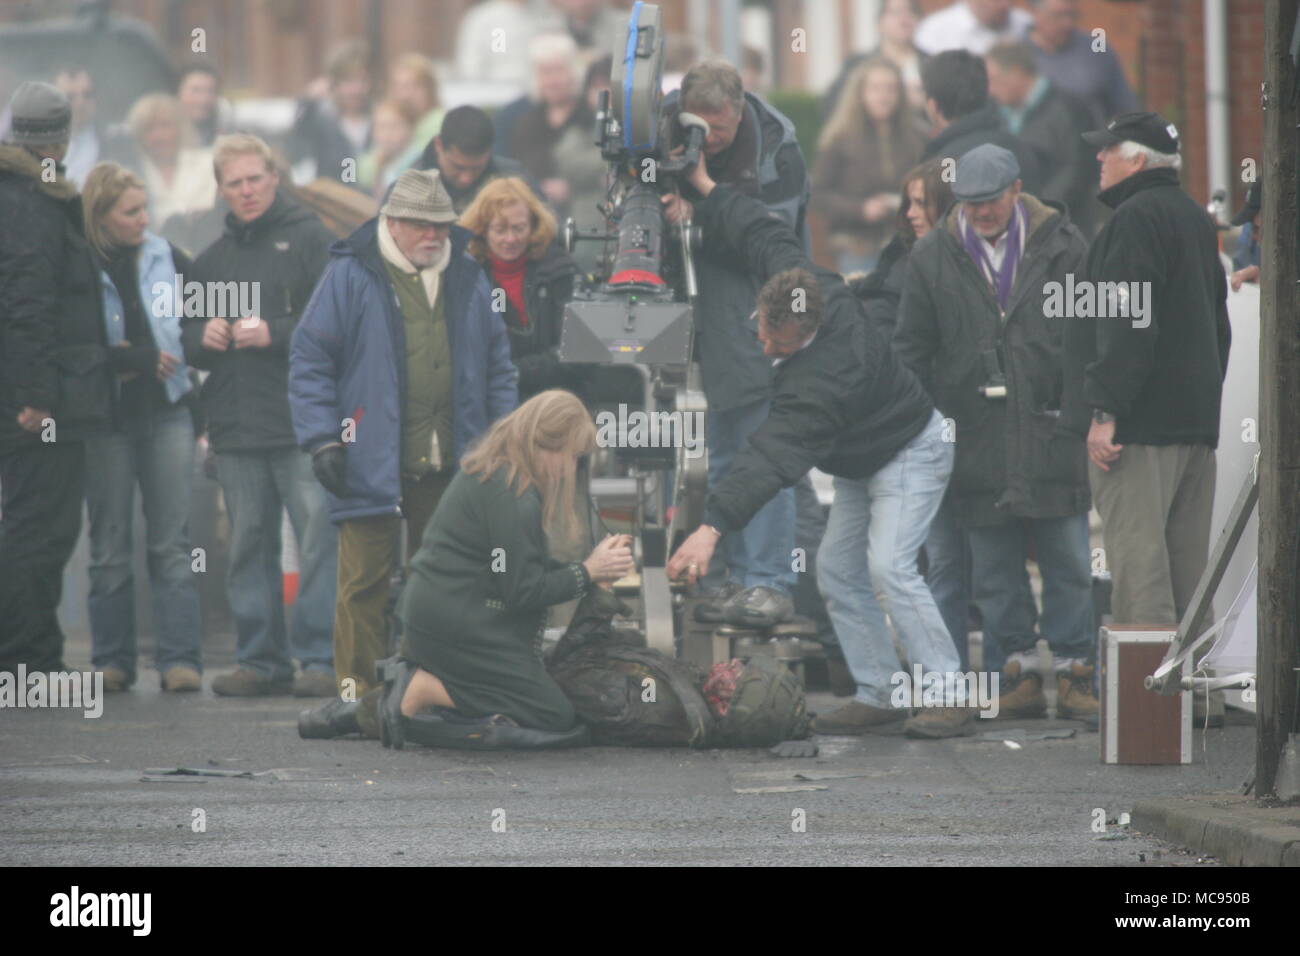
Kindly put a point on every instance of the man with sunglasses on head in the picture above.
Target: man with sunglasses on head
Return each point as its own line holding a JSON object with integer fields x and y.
{"x": 399, "y": 364}
{"x": 842, "y": 402}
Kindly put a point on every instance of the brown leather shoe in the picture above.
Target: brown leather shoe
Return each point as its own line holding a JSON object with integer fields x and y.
{"x": 180, "y": 679}
{"x": 1022, "y": 693}
{"x": 856, "y": 718}
{"x": 935, "y": 723}
{"x": 1074, "y": 698}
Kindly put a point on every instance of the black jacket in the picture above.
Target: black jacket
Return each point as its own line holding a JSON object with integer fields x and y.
{"x": 881, "y": 291}
{"x": 1164, "y": 381}
{"x": 764, "y": 161}
{"x": 535, "y": 347}
{"x": 53, "y": 343}
{"x": 1051, "y": 129}
{"x": 246, "y": 397}
{"x": 985, "y": 125}
{"x": 844, "y": 404}
{"x": 1012, "y": 460}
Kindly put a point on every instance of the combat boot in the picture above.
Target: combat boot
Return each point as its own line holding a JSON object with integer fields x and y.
{"x": 1022, "y": 693}
{"x": 1074, "y": 696}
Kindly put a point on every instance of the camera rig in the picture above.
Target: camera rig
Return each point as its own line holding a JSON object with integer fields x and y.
{"x": 637, "y": 308}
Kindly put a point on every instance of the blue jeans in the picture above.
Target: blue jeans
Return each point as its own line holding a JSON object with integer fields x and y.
{"x": 158, "y": 455}
{"x": 256, "y": 486}
{"x": 762, "y": 552}
{"x": 1004, "y": 597}
{"x": 947, "y": 554}
{"x": 876, "y": 528}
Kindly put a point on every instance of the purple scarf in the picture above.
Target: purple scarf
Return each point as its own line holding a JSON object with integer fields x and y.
{"x": 1000, "y": 279}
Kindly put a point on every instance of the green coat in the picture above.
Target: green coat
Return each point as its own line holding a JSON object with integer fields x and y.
{"x": 474, "y": 608}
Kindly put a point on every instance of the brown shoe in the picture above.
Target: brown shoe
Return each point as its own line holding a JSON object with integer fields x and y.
{"x": 1074, "y": 699}
{"x": 935, "y": 723}
{"x": 245, "y": 683}
{"x": 116, "y": 680}
{"x": 856, "y": 718}
{"x": 1022, "y": 693}
{"x": 180, "y": 679}
{"x": 315, "y": 684}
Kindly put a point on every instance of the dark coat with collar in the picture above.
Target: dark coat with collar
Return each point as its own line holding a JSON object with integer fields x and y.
{"x": 1163, "y": 382}
{"x": 1012, "y": 458}
{"x": 764, "y": 161}
{"x": 53, "y": 341}
{"x": 246, "y": 398}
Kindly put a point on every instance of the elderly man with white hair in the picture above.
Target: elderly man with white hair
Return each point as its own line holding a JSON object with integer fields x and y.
{"x": 1144, "y": 384}
{"x": 555, "y": 106}
{"x": 399, "y": 365}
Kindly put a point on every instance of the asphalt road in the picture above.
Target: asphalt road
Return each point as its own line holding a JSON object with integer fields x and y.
{"x": 72, "y": 793}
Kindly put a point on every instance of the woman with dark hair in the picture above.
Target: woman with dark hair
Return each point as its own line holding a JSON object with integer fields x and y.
{"x": 925, "y": 198}
{"x": 152, "y": 445}
{"x": 514, "y": 239}
{"x": 861, "y": 153}
{"x": 474, "y": 609}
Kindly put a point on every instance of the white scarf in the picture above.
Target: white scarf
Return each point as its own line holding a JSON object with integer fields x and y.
{"x": 431, "y": 275}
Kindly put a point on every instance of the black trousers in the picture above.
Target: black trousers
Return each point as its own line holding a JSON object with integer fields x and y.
{"x": 42, "y": 486}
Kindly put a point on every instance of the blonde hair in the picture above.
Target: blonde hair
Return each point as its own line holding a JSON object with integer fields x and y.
{"x": 489, "y": 202}
{"x": 850, "y": 116}
{"x": 239, "y": 144}
{"x": 423, "y": 67}
{"x": 149, "y": 110}
{"x": 105, "y": 185}
{"x": 556, "y": 421}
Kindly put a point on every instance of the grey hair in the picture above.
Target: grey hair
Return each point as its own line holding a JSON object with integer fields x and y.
{"x": 713, "y": 86}
{"x": 549, "y": 47}
{"x": 1129, "y": 149}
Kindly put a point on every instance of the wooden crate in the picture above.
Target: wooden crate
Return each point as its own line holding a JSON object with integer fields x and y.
{"x": 1140, "y": 726}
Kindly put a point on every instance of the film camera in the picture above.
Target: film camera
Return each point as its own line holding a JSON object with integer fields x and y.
{"x": 637, "y": 308}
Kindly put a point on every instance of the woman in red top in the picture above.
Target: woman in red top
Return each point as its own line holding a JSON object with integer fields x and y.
{"x": 530, "y": 275}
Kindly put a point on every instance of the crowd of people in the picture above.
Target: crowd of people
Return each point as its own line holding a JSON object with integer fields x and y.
{"x": 407, "y": 375}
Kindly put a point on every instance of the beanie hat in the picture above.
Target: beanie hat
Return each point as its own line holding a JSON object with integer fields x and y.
{"x": 40, "y": 115}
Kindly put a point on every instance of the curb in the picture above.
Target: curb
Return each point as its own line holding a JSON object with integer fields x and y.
{"x": 1229, "y": 827}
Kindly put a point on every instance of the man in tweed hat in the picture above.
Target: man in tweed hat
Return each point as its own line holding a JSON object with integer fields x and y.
{"x": 55, "y": 383}
{"x": 399, "y": 364}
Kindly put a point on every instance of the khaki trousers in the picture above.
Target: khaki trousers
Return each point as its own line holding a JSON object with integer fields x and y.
{"x": 1155, "y": 504}
{"x": 367, "y": 556}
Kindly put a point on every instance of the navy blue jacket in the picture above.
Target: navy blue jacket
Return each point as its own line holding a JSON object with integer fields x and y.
{"x": 348, "y": 361}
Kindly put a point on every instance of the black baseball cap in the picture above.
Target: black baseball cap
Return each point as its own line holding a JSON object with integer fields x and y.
{"x": 1150, "y": 129}
{"x": 1254, "y": 203}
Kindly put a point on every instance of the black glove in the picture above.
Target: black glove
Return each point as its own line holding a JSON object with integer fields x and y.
{"x": 330, "y": 467}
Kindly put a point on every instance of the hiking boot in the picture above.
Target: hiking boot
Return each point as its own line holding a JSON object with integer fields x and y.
{"x": 181, "y": 679}
{"x": 334, "y": 718}
{"x": 856, "y": 718}
{"x": 710, "y": 609}
{"x": 1074, "y": 697}
{"x": 315, "y": 684}
{"x": 243, "y": 682}
{"x": 116, "y": 680}
{"x": 758, "y": 607}
{"x": 935, "y": 723}
{"x": 1022, "y": 693}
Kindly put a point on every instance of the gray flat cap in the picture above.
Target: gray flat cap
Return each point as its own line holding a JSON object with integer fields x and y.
{"x": 41, "y": 115}
{"x": 985, "y": 173}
